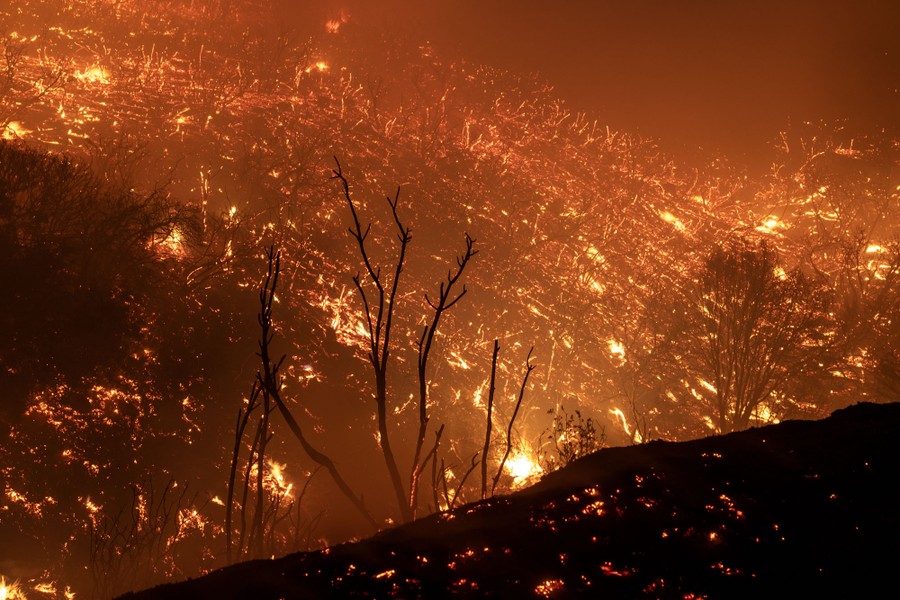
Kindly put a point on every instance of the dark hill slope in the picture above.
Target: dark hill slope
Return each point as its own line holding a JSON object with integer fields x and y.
{"x": 799, "y": 509}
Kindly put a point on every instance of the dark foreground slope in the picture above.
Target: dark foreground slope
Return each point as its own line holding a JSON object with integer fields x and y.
{"x": 797, "y": 510}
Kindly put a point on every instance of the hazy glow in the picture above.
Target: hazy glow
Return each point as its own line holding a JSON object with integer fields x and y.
{"x": 592, "y": 245}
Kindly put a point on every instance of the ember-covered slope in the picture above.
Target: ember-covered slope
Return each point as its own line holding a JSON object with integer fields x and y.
{"x": 799, "y": 509}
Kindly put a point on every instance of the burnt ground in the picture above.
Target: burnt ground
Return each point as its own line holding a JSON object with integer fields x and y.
{"x": 803, "y": 509}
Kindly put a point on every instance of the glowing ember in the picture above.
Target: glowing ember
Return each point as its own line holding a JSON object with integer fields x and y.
{"x": 549, "y": 587}
{"x": 594, "y": 508}
{"x": 611, "y": 571}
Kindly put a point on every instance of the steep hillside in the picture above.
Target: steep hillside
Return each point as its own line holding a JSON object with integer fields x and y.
{"x": 799, "y": 509}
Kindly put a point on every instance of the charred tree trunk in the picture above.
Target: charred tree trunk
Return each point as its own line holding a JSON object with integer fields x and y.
{"x": 528, "y": 369}
{"x": 269, "y": 380}
{"x": 378, "y": 310}
{"x": 487, "y": 434}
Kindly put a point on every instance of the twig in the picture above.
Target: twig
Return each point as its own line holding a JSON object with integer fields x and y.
{"x": 528, "y": 369}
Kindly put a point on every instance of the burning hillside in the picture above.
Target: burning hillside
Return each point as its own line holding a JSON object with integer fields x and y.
{"x": 800, "y": 509}
{"x": 153, "y": 152}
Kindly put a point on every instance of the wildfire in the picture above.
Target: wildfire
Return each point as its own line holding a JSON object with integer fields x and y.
{"x": 617, "y": 412}
{"x": 10, "y": 590}
{"x": 566, "y": 254}
{"x": 173, "y": 243}
{"x": 91, "y": 506}
{"x": 458, "y": 361}
{"x": 346, "y": 324}
{"x": 93, "y": 74}
{"x": 765, "y": 415}
{"x": 623, "y": 421}
{"x": 670, "y": 218}
{"x": 769, "y": 224}
{"x": 49, "y": 588}
{"x": 277, "y": 480}
{"x": 334, "y": 25}
{"x": 616, "y": 349}
{"x": 522, "y": 468}
{"x": 320, "y": 66}
{"x": 14, "y": 130}
{"x": 707, "y": 385}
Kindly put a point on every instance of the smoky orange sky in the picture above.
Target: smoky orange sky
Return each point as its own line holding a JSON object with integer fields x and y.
{"x": 718, "y": 74}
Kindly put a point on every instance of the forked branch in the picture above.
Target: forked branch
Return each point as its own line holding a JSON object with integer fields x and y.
{"x": 269, "y": 380}
{"x": 490, "y": 408}
{"x": 528, "y": 369}
{"x": 445, "y": 301}
{"x": 379, "y": 313}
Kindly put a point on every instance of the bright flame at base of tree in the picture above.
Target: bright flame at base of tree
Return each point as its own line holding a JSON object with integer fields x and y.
{"x": 10, "y": 590}
{"x": 523, "y": 469}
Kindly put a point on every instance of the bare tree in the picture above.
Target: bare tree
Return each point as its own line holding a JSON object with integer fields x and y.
{"x": 641, "y": 354}
{"x": 868, "y": 309}
{"x": 758, "y": 327}
{"x": 19, "y": 87}
{"x": 270, "y": 382}
{"x": 379, "y": 312}
{"x": 263, "y": 495}
{"x": 134, "y": 547}
{"x": 528, "y": 369}
{"x": 444, "y": 302}
{"x": 489, "y": 423}
{"x": 243, "y": 418}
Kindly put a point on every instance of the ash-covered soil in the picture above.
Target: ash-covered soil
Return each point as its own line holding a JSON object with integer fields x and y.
{"x": 802, "y": 509}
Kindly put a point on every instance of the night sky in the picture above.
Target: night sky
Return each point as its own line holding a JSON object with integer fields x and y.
{"x": 721, "y": 75}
